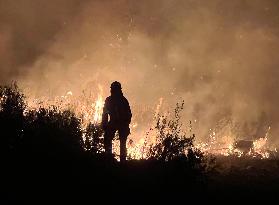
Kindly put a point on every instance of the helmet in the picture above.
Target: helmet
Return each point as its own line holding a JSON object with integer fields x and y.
{"x": 115, "y": 85}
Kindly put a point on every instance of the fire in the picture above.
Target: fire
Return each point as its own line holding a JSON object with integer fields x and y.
{"x": 89, "y": 109}
{"x": 258, "y": 147}
{"x": 2, "y": 100}
{"x": 99, "y": 104}
{"x": 137, "y": 150}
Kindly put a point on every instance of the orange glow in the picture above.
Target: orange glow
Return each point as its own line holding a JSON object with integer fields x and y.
{"x": 89, "y": 110}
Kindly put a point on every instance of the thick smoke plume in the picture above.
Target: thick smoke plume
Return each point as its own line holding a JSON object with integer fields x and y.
{"x": 219, "y": 56}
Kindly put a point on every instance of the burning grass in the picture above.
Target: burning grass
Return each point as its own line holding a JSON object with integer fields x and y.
{"x": 145, "y": 131}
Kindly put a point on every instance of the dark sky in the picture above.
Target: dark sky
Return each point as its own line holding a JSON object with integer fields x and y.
{"x": 220, "y": 56}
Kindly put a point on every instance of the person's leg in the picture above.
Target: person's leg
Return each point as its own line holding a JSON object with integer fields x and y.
{"x": 123, "y": 135}
{"x": 123, "y": 149}
{"x": 108, "y": 137}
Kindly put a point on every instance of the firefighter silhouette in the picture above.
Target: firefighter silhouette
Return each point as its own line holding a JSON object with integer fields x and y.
{"x": 116, "y": 117}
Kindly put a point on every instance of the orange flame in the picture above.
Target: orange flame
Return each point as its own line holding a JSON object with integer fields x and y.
{"x": 90, "y": 112}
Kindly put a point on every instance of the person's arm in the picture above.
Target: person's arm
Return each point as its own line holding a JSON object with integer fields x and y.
{"x": 129, "y": 112}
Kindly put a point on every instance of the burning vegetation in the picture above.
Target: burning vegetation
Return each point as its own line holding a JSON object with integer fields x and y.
{"x": 63, "y": 141}
{"x": 145, "y": 130}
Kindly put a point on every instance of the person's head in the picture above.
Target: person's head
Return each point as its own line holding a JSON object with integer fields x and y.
{"x": 115, "y": 88}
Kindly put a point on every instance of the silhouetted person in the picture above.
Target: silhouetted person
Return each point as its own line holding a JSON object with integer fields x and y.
{"x": 116, "y": 117}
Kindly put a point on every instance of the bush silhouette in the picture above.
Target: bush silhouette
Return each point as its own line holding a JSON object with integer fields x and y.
{"x": 52, "y": 132}
{"x": 11, "y": 118}
{"x": 94, "y": 141}
{"x": 171, "y": 141}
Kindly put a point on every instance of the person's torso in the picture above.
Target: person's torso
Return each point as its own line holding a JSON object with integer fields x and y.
{"x": 118, "y": 109}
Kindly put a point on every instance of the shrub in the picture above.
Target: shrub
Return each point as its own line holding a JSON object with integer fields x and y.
{"x": 171, "y": 141}
{"x": 93, "y": 138}
{"x": 173, "y": 144}
{"x": 12, "y": 107}
{"x": 52, "y": 132}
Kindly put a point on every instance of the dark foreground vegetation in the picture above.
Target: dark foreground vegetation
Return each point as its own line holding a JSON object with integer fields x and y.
{"x": 44, "y": 159}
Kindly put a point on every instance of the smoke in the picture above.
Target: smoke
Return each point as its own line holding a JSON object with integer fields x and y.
{"x": 219, "y": 56}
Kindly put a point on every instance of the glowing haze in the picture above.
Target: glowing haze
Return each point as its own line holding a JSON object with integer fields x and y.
{"x": 221, "y": 57}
